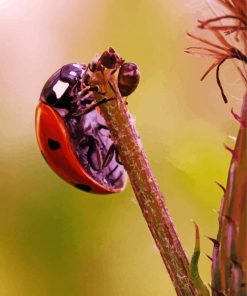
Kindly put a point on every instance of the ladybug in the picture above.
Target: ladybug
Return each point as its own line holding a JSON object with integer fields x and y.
{"x": 73, "y": 137}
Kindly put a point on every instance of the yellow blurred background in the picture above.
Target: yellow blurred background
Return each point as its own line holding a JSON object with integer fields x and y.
{"x": 57, "y": 240}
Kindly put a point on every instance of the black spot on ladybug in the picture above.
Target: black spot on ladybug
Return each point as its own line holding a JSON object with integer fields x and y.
{"x": 83, "y": 187}
{"x": 53, "y": 145}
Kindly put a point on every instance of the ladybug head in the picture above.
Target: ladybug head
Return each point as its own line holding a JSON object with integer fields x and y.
{"x": 61, "y": 86}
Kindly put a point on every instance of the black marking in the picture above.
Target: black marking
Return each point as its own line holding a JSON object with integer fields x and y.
{"x": 53, "y": 145}
{"x": 117, "y": 179}
{"x": 51, "y": 98}
{"x": 94, "y": 155}
{"x": 83, "y": 187}
{"x": 109, "y": 156}
{"x": 84, "y": 141}
{"x": 117, "y": 156}
{"x": 101, "y": 126}
{"x": 86, "y": 101}
{"x": 112, "y": 171}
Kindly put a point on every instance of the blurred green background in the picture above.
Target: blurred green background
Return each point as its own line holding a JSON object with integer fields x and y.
{"x": 57, "y": 240}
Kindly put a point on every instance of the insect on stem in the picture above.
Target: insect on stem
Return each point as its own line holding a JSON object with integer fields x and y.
{"x": 132, "y": 155}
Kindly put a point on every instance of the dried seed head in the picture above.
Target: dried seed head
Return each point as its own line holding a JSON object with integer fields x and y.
{"x": 128, "y": 78}
{"x": 230, "y": 30}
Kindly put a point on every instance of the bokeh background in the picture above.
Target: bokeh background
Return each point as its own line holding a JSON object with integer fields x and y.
{"x": 57, "y": 240}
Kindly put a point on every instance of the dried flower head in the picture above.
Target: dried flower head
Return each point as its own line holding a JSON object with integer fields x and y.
{"x": 230, "y": 30}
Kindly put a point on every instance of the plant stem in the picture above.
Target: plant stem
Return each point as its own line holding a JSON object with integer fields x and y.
{"x": 230, "y": 253}
{"x": 150, "y": 199}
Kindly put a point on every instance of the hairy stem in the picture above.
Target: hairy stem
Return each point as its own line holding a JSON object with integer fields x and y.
{"x": 230, "y": 252}
{"x": 150, "y": 199}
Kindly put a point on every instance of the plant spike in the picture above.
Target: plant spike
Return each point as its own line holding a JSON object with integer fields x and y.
{"x": 202, "y": 289}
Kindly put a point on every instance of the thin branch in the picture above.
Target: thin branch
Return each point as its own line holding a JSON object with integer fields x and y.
{"x": 209, "y": 70}
{"x": 221, "y": 38}
{"x": 203, "y": 24}
{"x": 219, "y": 82}
{"x": 208, "y": 42}
{"x": 216, "y": 53}
{"x": 227, "y": 28}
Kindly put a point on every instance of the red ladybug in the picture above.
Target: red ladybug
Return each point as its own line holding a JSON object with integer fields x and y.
{"x": 75, "y": 142}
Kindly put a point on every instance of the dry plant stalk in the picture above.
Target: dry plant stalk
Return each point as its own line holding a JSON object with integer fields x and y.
{"x": 229, "y": 266}
{"x": 122, "y": 127}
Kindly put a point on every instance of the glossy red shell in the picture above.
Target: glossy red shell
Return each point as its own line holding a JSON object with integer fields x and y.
{"x": 50, "y": 126}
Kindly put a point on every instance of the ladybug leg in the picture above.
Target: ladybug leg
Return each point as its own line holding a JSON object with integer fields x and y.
{"x": 85, "y": 94}
{"x": 103, "y": 101}
{"x": 88, "y": 89}
{"x": 112, "y": 171}
{"x": 117, "y": 156}
{"x": 92, "y": 107}
{"x": 109, "y": 155}
{"x": 94, "y": 155}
